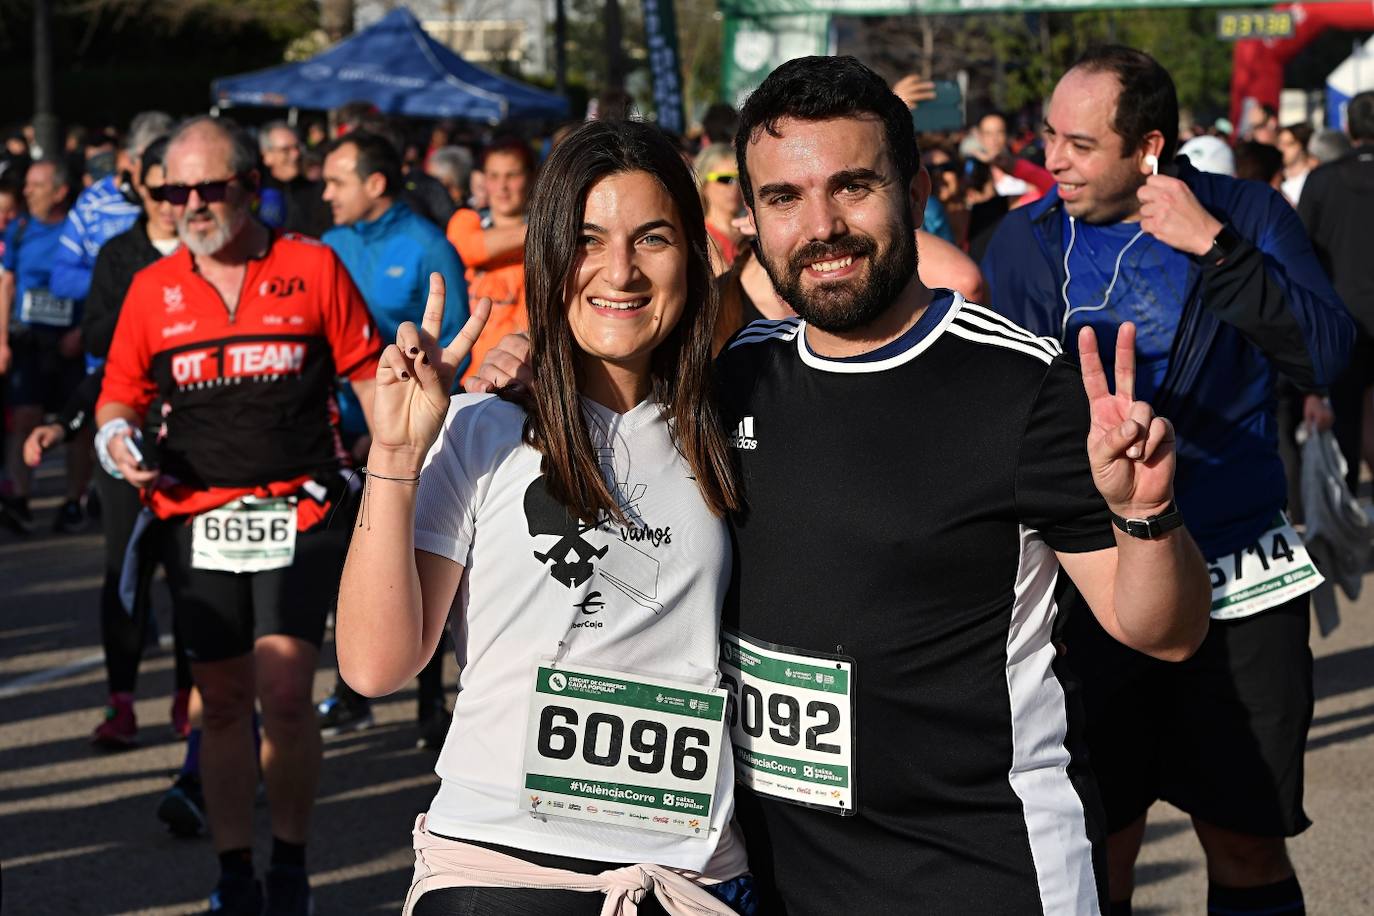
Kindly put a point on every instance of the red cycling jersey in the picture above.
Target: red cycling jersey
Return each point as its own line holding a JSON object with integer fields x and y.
{"x": 247, "y": 398}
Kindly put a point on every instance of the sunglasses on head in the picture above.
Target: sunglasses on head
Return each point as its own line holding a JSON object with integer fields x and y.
{"x": 211, "y": 192}
{"x": 723, "y": 177}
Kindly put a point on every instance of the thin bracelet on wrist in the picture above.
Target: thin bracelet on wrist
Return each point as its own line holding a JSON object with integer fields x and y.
{"x": 370, "y": 474}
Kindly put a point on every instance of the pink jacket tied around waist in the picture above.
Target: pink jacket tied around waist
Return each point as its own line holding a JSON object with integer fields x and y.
{"x": 441, "y": 862}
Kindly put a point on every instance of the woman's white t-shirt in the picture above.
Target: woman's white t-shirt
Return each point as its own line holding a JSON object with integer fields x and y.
{"x": 649, "y": 605}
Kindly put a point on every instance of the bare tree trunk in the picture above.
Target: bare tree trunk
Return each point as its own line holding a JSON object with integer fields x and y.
{"x": 45, "y": 125}
{"x": 560, "y": 47}
{"x": 615, "y": 61}
{"x": 336, "y": 18}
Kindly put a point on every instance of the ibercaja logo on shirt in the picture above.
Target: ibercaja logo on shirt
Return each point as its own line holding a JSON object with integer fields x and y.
{"x": 261, "y": 360}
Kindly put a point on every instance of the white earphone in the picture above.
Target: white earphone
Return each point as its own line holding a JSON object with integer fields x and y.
{"x": 1153, "y": 162}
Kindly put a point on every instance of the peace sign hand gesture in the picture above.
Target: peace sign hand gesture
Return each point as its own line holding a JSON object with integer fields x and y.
{"x": 414, "y": 378}
{"x": 1130, "y": 450}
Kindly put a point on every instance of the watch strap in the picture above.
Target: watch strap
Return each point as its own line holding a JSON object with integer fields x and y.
{"x": 1155, "y": 526}
{"x": 1223, "y": 246}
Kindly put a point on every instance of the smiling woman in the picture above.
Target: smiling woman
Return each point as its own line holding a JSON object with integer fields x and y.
{"x": 637, "y": 244}
{"x": 576, "y": 531}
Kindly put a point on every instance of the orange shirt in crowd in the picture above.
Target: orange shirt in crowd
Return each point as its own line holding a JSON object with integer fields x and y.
{"x": 500, "y": 278}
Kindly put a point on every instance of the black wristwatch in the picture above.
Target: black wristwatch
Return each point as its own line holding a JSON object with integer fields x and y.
{"x": 1223, "y": 246}
{"x": 1147, "y": 529}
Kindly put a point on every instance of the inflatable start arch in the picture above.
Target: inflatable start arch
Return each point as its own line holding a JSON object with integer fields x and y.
{"x": 1257, "y": 65}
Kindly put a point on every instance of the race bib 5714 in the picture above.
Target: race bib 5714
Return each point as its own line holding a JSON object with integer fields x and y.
{"x": 1274, "y": 569}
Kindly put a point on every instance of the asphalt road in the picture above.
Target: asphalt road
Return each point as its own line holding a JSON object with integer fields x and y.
{"x": 78, "y": 834}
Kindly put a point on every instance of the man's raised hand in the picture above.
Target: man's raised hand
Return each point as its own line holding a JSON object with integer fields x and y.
{"x": 1170, "y": 212}
{"x": 414, "y": 378}
{"x": 1130, "y": 450}
{"x": 507, "y": 363}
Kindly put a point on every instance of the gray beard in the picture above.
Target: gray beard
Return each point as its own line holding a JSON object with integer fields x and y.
{"x": 213, "y": 242}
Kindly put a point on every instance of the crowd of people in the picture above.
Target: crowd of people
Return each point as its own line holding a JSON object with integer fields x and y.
{"x": 915, "y": 503}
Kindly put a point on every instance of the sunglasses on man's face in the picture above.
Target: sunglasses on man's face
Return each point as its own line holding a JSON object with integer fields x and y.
{"x": 723, "y": 177}
{"x": 211, "y": 192}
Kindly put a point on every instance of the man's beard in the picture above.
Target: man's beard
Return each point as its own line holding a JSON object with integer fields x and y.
{"x": 839, "y": 306}
{"x": 213, "y": 241}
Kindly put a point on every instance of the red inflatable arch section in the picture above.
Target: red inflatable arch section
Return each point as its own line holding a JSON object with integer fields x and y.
{"x": 1257, "y": 64}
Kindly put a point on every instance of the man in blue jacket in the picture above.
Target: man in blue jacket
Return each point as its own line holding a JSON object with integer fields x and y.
{"x": 105, "y": 209}
{"x": 388, "y": 249}
{"x": 390, "y": 253}
{"x": 1223, "y": 285}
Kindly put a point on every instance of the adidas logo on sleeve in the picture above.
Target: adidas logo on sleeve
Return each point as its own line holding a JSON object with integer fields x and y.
{"x": 744, "y": 435}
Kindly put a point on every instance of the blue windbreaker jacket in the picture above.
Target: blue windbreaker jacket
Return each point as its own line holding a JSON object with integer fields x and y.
{"x": 99, "y": 214}
{"x": 1269, "y": 309}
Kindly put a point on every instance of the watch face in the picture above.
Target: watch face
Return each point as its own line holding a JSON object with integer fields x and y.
{"x": 1225, "y": 243}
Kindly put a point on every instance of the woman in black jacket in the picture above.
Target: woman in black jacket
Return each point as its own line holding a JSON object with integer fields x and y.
{"x": 152, "y": 237}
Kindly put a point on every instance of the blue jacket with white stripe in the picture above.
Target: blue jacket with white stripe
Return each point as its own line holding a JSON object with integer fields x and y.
{"x": 99, "y": 214}
{"x": 1267, "y": 310}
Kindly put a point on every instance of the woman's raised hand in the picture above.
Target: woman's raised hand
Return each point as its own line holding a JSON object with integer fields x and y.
{"x": 414, "y": 378}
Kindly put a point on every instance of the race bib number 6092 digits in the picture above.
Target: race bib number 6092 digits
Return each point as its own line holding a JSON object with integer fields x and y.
{"x": 791, "y": 721}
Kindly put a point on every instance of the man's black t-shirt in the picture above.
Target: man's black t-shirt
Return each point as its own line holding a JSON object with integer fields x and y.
{"x": 903, "y": 510}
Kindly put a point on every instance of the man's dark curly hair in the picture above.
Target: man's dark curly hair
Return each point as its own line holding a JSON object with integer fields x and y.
{"x": 819, "y": 89}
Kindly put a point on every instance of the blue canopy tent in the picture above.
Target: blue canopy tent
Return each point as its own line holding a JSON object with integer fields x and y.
{"x": 397, "y": 66}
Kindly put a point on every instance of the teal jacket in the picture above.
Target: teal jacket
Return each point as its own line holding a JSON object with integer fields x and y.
{"x": 391, "y": 258}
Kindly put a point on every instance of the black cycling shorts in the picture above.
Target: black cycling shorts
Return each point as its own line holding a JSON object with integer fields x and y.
{"x": 1220, "y": 736}
{"x": 223, "y": 613}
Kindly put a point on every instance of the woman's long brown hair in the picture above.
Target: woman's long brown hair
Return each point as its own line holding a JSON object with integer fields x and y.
{"x": 680, "y": 368}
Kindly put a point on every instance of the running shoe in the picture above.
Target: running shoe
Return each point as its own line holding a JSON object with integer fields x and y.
{"x": 433, "y": 724}
{"x": 288, "y": 892}
{"x": 235, "y": 896}
{"x": 16, "y": 515}
{"x": 182, "y": 807}
{"x": 70, "y": 518}
{"x": 181, "y": 714}
{"x": 120, "y": 728}
{"x": 338, "y": 715}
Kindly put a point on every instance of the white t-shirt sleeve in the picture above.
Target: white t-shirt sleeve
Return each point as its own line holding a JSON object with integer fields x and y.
{"x": 479, "y": 432}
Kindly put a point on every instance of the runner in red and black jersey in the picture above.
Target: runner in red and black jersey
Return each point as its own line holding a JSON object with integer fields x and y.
{"x": 241, "y": 334}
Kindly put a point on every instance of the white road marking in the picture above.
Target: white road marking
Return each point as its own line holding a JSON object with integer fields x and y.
{"x": 21, "y": 684}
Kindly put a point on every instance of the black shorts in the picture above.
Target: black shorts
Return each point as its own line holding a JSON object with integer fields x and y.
{"x": 40, "y": 376}
{"x": 223, "y": 613}
{"x": 1220, "y": 736}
